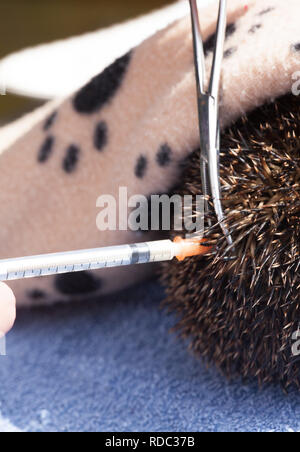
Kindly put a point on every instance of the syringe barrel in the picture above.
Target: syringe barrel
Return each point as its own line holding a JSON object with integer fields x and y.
{"x": 75, "y": 261}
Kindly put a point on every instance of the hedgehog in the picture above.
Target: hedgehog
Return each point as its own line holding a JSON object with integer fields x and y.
{"x": 132, "y": 126}
{"x": 241, "y": 313}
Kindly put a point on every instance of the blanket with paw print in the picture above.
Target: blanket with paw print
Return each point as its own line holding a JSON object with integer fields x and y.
{"x": 131, "y": 126}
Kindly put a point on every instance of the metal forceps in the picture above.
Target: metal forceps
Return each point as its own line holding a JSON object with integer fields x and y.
{"x": 208, "y": 110}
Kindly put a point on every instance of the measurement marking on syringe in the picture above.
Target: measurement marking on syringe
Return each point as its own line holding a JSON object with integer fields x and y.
{"x": 99, "y": 258}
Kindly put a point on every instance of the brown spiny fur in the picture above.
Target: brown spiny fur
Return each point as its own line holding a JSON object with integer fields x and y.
{"x": 241, "y": 314}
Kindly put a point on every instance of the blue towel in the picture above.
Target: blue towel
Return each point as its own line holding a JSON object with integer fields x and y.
{"x": 112, "y": 365}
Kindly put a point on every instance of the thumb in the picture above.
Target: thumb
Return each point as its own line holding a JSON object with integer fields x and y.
{"x": 7, "y": 309}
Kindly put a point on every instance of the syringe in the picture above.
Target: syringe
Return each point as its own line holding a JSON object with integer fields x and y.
{"x": 97, "y": 258}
